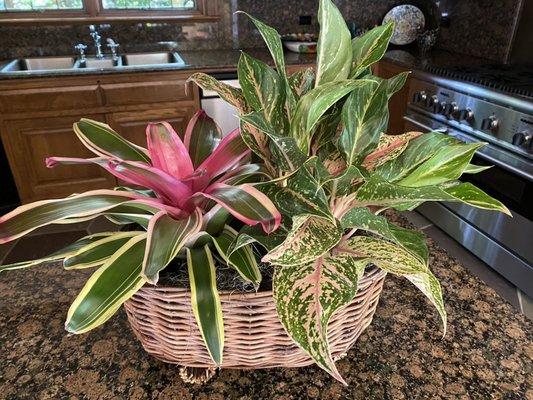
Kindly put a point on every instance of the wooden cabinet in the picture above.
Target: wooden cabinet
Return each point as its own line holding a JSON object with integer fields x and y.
{"x": 132, "y": 124}
{"x": 36, "y": 117}
{"x": 29, "y": 141}
{"x": 398, "y": 102}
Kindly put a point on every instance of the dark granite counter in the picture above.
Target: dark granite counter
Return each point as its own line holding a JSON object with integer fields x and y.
{"x": 487, "y": 353}
{"x": 204, "y": 60}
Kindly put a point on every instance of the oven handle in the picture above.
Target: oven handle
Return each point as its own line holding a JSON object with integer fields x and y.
{"x": 480, "y": 153}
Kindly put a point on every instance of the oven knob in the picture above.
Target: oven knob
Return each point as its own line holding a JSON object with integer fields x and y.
{"x": 522, "y": 139}
{"x": 449, "y": 109}
{"x": 466, "y": 114}
{"x": 419, "y": 97}
{"x": 433, "y": 102}
{"x": 440, "y": 107}
{"x": 490, "y": 123}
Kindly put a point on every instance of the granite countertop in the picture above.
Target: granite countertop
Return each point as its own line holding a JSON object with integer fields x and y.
{"x": 487, "y": 352}
{"x": 227, "y": 59}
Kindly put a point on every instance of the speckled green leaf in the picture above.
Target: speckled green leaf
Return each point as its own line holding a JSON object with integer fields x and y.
{"x": 448, "y": 163}
{"x": 362, "y": 218}
{"x": 96, "y": 253}
{"x": 310, "y": 238}
{"x": 242, "y": 258}
{"x": 308, "y": 295}
{"x": 253, "y": 234}
{"x": 205, "y": 300}
{"x": 364, "y": 117}
{"x": 263, "y": 90}
{"x": 389, "y": 147}
{"x": 369, "y": 48}
{"x": 334, "y": 50}
{"x": 378, "y": 192}
{"x": 110, "y": 286}
{"x": 348, "y": 181}
{"x": 273, "y": 41}
{"x": 313, "y": 105}
{"x": 284, "y": 150}
{"x": 229, "y": 93}
{"x": 302, "y": 81}
{"x": 393, "y": 258}
{"x": 417, "y": 151}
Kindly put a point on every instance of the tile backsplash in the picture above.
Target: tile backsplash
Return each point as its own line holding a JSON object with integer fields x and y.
{"x": 478, "y": 27}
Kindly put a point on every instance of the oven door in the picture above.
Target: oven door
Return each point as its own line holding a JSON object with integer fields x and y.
{"x": 502, "y": 242}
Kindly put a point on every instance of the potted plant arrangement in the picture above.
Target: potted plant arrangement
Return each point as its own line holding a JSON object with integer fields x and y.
{"x": 296, "y": 195}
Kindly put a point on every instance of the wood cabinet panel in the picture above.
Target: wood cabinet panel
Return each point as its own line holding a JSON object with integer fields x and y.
{"x": 29, "y": 142}
{"x": 49, "y": 98}
{"x": 132, "y": 125}
{"x": 398, "y": 102}
{"x": 146, "y": 92}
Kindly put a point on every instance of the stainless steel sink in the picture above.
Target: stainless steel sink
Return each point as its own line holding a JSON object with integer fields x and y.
{"x": 40, "y": 64}
{"x": 99, "y": 63}
{"x": 162, "y": 58}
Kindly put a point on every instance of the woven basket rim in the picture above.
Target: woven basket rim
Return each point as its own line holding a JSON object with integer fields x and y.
{"x": 369, "y": 274}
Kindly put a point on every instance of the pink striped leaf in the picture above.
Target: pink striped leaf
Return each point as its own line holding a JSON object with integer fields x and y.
{"x": 167, "y": 151}
{"x": 166, "y": 237}
{"x": 244, "y": 202}
{"x": 201, "y": 137}
{"x": 28, "y": 217}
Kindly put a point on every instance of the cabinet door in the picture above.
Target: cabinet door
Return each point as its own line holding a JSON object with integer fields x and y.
{"x": 398, "y": 102}
{"x": 132, "y": 124}
{"x": 29, "y": 142}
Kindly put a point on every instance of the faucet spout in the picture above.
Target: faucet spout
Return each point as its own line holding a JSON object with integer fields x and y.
{"x": 97, "y": 41}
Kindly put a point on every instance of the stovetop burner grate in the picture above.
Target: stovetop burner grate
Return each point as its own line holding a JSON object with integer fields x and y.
{"x": 516, "y": 80}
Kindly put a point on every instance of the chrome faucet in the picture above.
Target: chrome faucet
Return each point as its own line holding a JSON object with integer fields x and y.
{"x": 96, "y": 37}
{"x": 81, "y": 48}
{"x": 113, "y": 48}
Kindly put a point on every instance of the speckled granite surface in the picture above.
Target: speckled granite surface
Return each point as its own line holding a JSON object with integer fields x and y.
{"x": 487, "y": 353}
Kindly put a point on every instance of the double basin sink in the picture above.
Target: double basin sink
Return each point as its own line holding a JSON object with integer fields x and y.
{"x": 40, "y": 64}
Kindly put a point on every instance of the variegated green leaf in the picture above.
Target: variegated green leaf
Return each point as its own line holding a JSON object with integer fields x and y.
{"x": 448, "y": 163}
{"x": 369, "y": 48}
{"x": 417, "y": 151}
{"x": 363, "y": 218}
{"x": 380, "y": 193}
{"x": 364, "y": 117}
{"x": 399, "y": 261}
{"x": 302, "y": 81}
{"x": 60, "y": 254}
{"x": 284, "y": 150}
{"x": 263, "y": 90}
{"x": 97, "y": 252}
{"x": 166, "y": 236}
{"x": 229, "y": 93}
{"x": 273, "y": 42}
{"x": 255, "y": 139}
{"x": 110, "y": 286}
{"x": 334, "y": 50}
{"x": 308, "y": 295}
{"x": 389, "y": 147}
{"x": 475, "y": 169}
{"x": 313, "y": 105}
{"x": 348, "y": 181}
{"x": 310, "y": 237}
{"x": 205, "y": 300}
{"x": 252, "y": 234}
{"x": 105, "y": 142}
{"x": 242, "y": 258}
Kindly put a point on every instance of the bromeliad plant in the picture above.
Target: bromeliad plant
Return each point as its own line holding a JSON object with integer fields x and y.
{"x": 333, "y": 172}
{"x": 183, "y": 196}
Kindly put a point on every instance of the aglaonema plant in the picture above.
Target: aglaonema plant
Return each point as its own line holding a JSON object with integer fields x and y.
{"x": 182, "y": 197}
{"x": 333, "y": 172}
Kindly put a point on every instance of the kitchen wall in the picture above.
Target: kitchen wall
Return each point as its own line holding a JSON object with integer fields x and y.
{"x": 478, "y": 27}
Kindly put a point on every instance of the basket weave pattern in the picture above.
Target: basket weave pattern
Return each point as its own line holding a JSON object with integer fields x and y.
{"x": 162, "y": 319}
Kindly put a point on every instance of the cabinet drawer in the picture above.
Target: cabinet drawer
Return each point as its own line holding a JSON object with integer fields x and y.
{"x": 53, "y": 98}
{"x": 146, "y": 92}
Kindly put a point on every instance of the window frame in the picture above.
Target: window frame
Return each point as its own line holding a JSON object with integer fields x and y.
{"x": 92, "y": 11}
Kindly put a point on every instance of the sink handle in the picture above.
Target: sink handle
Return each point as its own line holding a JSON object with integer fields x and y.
{"x": 81, "y": 49}
{"x": 113, "y": 48}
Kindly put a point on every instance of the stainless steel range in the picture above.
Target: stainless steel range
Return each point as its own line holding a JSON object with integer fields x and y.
{"x": 496, "y": 109}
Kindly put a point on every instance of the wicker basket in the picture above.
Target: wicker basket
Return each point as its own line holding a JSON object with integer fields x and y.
{"x": 162, "y": 319}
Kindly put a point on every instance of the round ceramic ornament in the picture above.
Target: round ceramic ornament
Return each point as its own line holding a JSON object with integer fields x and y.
{"x": 408, "y": 20}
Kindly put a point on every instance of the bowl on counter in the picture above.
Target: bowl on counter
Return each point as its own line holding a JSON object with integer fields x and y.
{"x": 300, "y": 42}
